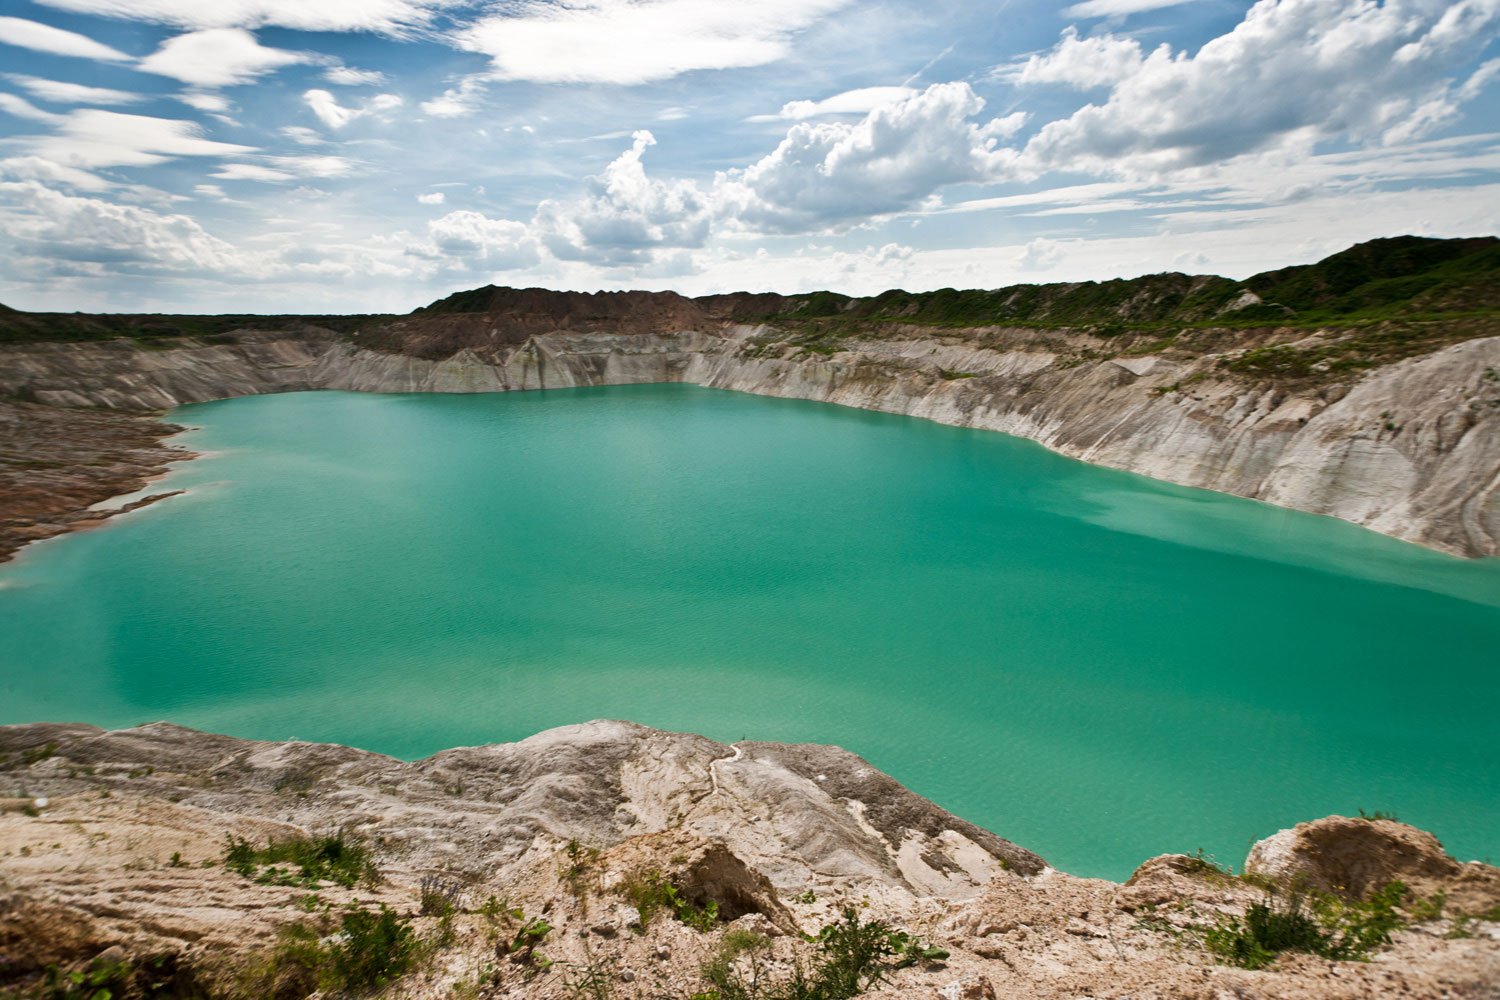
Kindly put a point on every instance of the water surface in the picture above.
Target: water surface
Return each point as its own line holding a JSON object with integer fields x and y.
{"x": 1096, "y": 665}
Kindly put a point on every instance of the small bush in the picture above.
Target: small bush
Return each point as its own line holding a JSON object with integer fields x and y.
{"x": 1324, "y": 926}
{"x": 441, "y": 897}
{"x": 337, "y": 858}
{"x": 650, "y": 893}
{"x": 853, "y": 956}
{"x": 371, "y": 949}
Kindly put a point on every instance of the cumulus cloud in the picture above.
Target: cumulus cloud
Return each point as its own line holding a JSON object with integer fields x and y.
{"x": 637, "y": 41}
{"x": 1040, "y": 255}
{"x": 72, "y": 93}
{"x": 625, "y": 216}
{"x": 55, "y": 227}
{"x": 392, "y": 17}
{"x": 335, "y": 115}
{"x": 1099, "y": 61}
{"x": 36, "y": 168}
{"x": 45, "y": 38}
{"x": 830, "y": 174}
{"x": 218, "y": 57}
{"x": 88, "y": 138}
{"x": 1292, "y": 73}
{"x": 432, "y": 198}
{"x": 467, "y": 240}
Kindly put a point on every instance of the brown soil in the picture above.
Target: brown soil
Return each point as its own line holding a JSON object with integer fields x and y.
{"x": 55, "y": 463}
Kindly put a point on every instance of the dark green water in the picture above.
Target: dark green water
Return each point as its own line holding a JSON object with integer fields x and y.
{"x": 1098, "y": 666}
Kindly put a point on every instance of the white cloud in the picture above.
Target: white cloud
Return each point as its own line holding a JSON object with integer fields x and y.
{"x": 280, "y": 169}
{"x": 637, "y": 41}
{"x": 1099, "y": 61}
{"x": 210, "y": 191}
{"x": 625, "y": 216}
{"x": 392, "y": 17}
{"x": 313, "y": 166}
{"x": 22, "y": 108}
{"x": 218, "y": 57}
{"x": 252, "y": 172}
{"x": 1291, "y": 74}
{"x": 73, "y": 93}
{"x": 1040, "y": 255}
{"x": 466, "y": 240}
{"x": 93, "y": 138}
{"x": 432, "y": 198}
{"x": 302, "y": 135}
{"x": 56, "y": 230}
{"x": 333, "y": 114}
{"x": 211, "y": 103}
{"x": 850, "y": 102}
{"x": 831, "y": 174}
{"x": 45, "y": 38}
{"x": 347, "y": 76}
{"x": 456, "y": 102}
{"x": 1117, "y": 8}
{"x": 35, "y": 168}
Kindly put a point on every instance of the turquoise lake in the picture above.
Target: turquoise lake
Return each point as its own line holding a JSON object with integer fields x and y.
{"x": 1096, "y": 665}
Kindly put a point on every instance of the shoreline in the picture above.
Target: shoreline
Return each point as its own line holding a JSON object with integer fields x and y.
{"x": 127, "y": 853}
{"x": 75, "y": 470}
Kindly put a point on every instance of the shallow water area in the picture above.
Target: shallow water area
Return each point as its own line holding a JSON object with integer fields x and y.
{"x": 1096, "y": 665}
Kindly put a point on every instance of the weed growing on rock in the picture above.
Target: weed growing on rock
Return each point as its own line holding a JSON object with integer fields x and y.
{"x": 1325, "y": 926}
{"x": 651, "y": 893}
{"x": 441, "y": 897}
{"x": 576, "y": 870}
{"x": 370, "y": 950}
{"x": 853, "y": 956}
{"x": 338, "y": 858}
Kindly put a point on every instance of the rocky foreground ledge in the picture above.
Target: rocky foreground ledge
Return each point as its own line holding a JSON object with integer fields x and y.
{"x": 612, "y": 860}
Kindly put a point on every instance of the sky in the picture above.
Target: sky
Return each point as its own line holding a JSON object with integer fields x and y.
{"x": 334, "y": 156}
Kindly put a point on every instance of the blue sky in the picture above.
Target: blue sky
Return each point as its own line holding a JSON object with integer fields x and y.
{"x": 371, "y": 155}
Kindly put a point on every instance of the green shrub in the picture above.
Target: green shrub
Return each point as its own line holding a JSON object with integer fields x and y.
{"x": 1324, "y": 926}
{"x": 650, "y": 893}
{"x": 371, "y": 949}
{"x": 336, "y": 858}
{"x": 852, "y": 956}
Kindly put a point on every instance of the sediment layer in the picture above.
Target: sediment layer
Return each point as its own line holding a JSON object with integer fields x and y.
{"x": 1410, "y": 448}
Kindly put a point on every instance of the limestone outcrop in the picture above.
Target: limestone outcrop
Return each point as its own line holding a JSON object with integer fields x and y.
{"x": 115, "y": 855}
{"x": 1411, "y": 449}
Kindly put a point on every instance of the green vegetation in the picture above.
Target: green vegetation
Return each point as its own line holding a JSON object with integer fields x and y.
{"x": 161, "y": 331}
{"x": 852, "y": 956}
{"x": 523, "y": 945}
{"x": 27, "y": 757}
{"x": 1324, "y": 926}
{"x": 369, "y": 951}
{"x": 650, "y": 893}
{"x": 576, "y": 870}
{"x": 311, "y": 860}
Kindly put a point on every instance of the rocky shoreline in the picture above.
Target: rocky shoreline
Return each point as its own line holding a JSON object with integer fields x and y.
{"x": 117, "y": 854}
{"x": 57, "y": 465}
{"x": 1410, "y": 449}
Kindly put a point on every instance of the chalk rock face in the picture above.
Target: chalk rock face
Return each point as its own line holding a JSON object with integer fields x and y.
{"x": 795, "y": 814}
{"x": 1411, "y": 449}
{"x": 116, "y": 853}
{"x": 1352, "y": 857}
